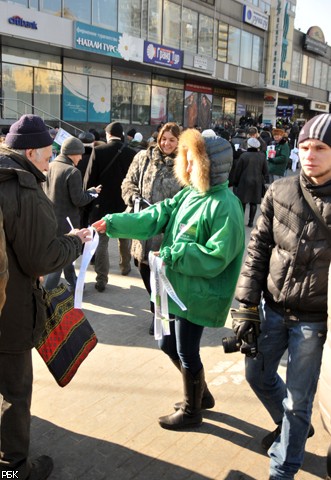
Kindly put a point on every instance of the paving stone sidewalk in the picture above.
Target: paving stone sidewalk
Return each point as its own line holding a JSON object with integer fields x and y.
{"x": 103, "y": 425}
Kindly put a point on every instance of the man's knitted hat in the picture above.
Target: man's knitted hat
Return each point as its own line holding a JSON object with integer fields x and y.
{"x": 29, "y": 131}
{"x": 131, "y": 132}
{"x": 72, "y": 146}
{"x": 115, "y": 129}
{"x": 253, "y": 143}
{"x": 318, "y": 128}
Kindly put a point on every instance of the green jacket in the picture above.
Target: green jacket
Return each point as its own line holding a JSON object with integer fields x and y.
{"x": 202, "y": 248}
{"x": 278, "y": 164}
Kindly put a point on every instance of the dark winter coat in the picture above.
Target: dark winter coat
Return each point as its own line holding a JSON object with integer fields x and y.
{"x": 3, "y": 264}
{"x": 64, "y": 188}
{"x": 33, "y": 249}
{"x": 150, "y": 176}
{"x": 288, "y": 254}
{"x": 251, "y": 174}
{"x": 110, "y": 199}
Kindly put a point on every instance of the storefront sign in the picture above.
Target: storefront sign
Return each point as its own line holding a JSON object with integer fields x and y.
{"x": 196, "y": 87}
{"x": 99, "y": 40}
{"x": 200, "y": 62}
{"x": 161, "y": 55}
{"x": 19, "y": 22}
{"x": 319, "y": 106}
{"x": 255, "y": 17}
{"x": 314, "y": 41}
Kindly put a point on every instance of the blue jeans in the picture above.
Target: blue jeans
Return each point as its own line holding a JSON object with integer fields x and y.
{"x": 290, "y": 403}
{"x": 52, "y": 279}
{"x": 184, "y": 343}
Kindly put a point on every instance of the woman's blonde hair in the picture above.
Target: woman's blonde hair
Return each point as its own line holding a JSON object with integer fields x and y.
{"x": 191, "y": 139}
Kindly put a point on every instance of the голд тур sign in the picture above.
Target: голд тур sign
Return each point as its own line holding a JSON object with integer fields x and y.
{"x": 161, "y": 55}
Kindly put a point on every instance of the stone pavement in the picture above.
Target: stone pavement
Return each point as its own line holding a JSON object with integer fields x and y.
{"x": 103, "y": 425}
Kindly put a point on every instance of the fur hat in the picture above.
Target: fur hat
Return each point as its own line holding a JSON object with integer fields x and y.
{"x": 29, "y": 131}
{"x": 278, "y": 131}
{"x": 253, "y": 143}
{"x": 318, "y": 128}
{"x": 212, "y": 160}
{"x": 72, "y": 146}
{"x": 86, "y": 137}
{"x": 115, "y": 129}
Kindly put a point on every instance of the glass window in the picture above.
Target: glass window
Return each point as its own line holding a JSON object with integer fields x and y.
{"x": 222, "y": 42}
{"x": 152, "y": 18}
{"x": 324, "y": 76}
{"x": 47, "y": 92}
{"x": 22, "y": 2}
{"x": 296, "y": 64}
{"x": 121, "y": 101}
{"x": 74, "y": 98}
{"x": 175, "y": 106}
{"x": 104, "y": 13}
{"x": 304, "y": 70}
{"x": 159, "y": 105}
{"x": 50, "y": 6}
{"x": 162, "y": 81}
{"x": 85, "y": 67}
{"x": 28, "y": 57}
{"x": 129, "y": 74}
{"x": 189, "y": 30}
{"x": 206, "y": 35}
{"x": 257, "y": 53}
{"x": 141, "y": 103}
{"x": 317, "y": 74}
{"x": 234, "y": 45}
{"x": 246, "y": 49}
{"x": 98, "y": 100}
{"x": 17, "y": 84}
{"x": 129, "y": 17}
{"x": 310, "y": 71}
{"x": 171, "y": 24}
{"x": 77, "y": 10}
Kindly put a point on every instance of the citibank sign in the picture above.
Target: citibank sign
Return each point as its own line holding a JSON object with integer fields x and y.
{"x": 19, "y": 22}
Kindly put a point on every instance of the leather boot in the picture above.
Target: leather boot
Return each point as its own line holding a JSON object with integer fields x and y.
{"x": 207, "y": 401}
{"x": 189, "y": 415}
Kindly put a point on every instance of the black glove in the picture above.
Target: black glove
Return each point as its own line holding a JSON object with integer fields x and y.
{"x": 244, "y": 319}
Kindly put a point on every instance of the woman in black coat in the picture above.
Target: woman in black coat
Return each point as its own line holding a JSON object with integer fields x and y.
{"x": 250, "y": 176}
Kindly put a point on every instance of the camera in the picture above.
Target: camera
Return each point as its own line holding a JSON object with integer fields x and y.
{"x": 248, "y": 345}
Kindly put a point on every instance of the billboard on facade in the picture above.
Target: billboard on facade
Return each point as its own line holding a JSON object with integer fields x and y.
{"x": 162, "y": 55}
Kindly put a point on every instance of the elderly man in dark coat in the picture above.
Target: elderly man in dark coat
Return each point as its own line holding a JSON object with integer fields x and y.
{"x": 108, "y": 166}
{"x": 33, "y": 249}
{"x": 64, "y": 188}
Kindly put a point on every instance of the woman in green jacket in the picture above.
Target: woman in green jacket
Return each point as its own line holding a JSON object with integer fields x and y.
{"x": 202, "y": 251}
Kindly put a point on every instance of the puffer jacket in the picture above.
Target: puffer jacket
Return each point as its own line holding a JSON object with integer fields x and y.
{"x": 203, "y": 235}
{"x": 32, "y": 250}
{"x": 150, "y": 176}
{"x": 288, "y": 255}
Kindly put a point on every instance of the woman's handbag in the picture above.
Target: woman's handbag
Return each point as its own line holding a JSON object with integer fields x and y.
{"x": 68, "y": 337}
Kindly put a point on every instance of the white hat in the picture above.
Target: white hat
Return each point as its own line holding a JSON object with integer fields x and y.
{"x": 137, "y": 137}
{"x": 253, "y": 142}
{"x": 209, "y": 133}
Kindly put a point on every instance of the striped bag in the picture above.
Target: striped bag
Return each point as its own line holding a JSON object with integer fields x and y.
{"x": 68, "y": 337}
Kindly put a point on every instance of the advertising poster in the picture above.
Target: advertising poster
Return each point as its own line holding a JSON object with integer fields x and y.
{"x": 159, "y": 105}
{"x": 74, "y": 97}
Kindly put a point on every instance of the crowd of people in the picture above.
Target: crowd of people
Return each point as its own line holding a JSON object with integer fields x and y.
{"x": 176, "y": 201}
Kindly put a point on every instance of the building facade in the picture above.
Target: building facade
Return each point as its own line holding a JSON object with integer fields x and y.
{"x": 143, "y": 62}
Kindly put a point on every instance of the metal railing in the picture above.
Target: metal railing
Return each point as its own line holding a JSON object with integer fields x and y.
{"x": 28, "y": 108}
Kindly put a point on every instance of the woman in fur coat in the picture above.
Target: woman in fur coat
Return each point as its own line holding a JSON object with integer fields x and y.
{"x": 150, "y": 179}
{"x": 202, "y": 250}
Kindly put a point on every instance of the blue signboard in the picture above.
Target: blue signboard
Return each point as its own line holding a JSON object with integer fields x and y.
{"x": 161, "y": 55}
{"x": 97, "y": 40}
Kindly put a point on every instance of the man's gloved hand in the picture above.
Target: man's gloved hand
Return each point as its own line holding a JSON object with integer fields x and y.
{"x": 244, "y": 319}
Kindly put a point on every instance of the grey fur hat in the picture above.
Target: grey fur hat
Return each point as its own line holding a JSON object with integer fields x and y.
{"x": 72, "y": 146}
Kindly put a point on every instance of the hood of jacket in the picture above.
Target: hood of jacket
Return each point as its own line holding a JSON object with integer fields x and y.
{"x": 212, "y": 160}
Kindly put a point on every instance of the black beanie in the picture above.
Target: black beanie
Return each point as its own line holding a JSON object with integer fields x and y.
{"x": 131, "y": 132}
{"x": 115, "y": 129}
{"x": 29, "y": 131}
{"x": 318, "y": 128}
